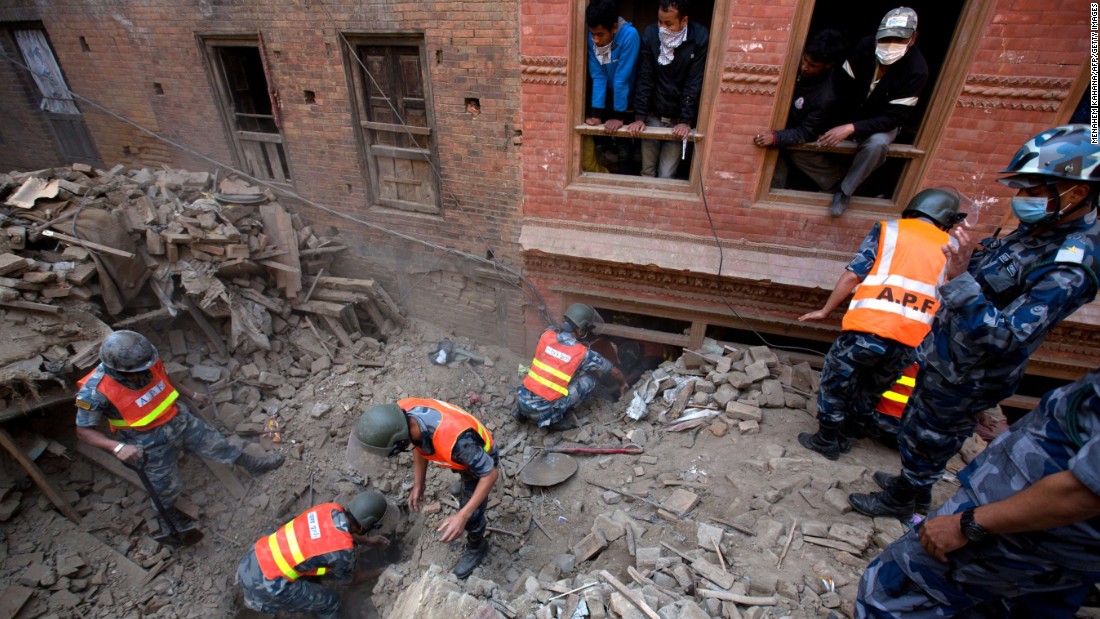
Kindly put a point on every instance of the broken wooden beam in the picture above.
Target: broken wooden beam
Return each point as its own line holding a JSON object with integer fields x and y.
{"x": 87, "y": 244}
{"x": 36, "y": 474}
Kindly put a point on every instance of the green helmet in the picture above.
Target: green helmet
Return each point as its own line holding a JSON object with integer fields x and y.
{"x": 942, "y": 207}
{"x": 382, "y": 430}
{"x": 582, "y": 316}
{"x": 368, "y": 508}
{"x": 127, "y": 351}
{"x": 1062, "y": 152}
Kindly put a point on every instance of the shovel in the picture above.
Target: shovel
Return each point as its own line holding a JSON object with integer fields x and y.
{"x": 173, "y": 536}
{"x": 629, "y": 448}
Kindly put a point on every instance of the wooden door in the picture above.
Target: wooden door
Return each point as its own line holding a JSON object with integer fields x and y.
{"x": 399, "y": 156}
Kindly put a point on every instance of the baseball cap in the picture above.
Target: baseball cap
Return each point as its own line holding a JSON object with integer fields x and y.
{"x": 900, "y": 22}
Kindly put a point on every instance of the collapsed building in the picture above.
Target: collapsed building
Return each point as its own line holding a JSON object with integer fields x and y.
{"x": 443, "y": 142}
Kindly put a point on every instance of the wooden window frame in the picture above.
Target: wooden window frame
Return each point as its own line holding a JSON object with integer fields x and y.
{"x": 207, "y": 48}
{"x": 944, "y": 95}
{"x": 577, "y": 104}
{"x": 360, "y": 126}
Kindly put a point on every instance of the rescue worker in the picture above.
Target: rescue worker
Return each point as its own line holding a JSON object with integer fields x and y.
{"x": 564, "y": 371}
{"x": 1020, "y": 537}
{"x": 895, "y": 275}
{"x": 283, "y": 570}
{"x": 1001, "y": 300}
{"x": 149, "y": 424}
{"x": 449, "y": 436}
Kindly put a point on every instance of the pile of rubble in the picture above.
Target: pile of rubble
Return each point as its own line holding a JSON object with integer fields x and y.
{"x": 101, "y": 241}
{"x": 737, "y": 521}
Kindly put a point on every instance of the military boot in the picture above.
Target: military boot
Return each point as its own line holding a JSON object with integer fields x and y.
{"x": 258, "y": 466}
{"x": 477, "y": 548}
{"x": 923, "y": 498}
{"x": 898, "y": 501}
{"x": 186, "y": 531}
{"x": 827, "y": 441}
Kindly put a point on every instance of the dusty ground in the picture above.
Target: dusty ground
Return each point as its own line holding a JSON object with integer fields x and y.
{"x": 762, "y": 482}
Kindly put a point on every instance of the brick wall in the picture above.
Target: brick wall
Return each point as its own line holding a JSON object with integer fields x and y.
{"x": 1027, "y": 56}
{"x": 471, "y": 51}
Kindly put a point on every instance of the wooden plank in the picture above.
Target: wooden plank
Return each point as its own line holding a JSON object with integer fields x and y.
{"x": 134, "y": 573}
{"x": 275, "y": 161}
{"x": 208, "y": 329}
{"x": 30, "y": 305}
{"x": 414, "y": 154}
{"x": 634, "y": 597}
{"x": 256, "y": 136}
{"x": 650, "y": 133}
{"x": 36, "y": 474}
{"x": 278, "y": 226}
{"x": 387, "y": 305}
{"x": 88, "y": 244}
{"x": 376, "y": 126}
{"x": 321, "y": 308}
{"x": 334, "y": 326}
{"x": 115, "y": 467}
{"x": 157, "y": 314}
{"x": 648, "y": 335}
{"x": 282, "y": 268}
{"x": 347, "y": 283}
{"x": 848, "y": 147}
{"x": 29, "y": 406}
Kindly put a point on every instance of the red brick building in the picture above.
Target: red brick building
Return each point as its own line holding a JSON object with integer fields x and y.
{"x": 494, "y": 94}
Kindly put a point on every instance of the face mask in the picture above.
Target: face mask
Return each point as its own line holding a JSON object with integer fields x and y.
{"x": 889, "y": 53}
{"x": 1029, "y": 209}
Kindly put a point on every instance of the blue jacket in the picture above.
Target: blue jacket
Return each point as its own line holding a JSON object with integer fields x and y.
{"x": 618, "y": 74}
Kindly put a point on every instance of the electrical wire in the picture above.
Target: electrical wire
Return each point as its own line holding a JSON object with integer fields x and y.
{"x": 718, "y": 276}
{"x": 524, "y": 284}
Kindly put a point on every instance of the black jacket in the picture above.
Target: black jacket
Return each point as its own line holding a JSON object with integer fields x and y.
{"x": 904, "y": 79}
{"x": 811, "y": 109}
{"x": 671, "y": 90}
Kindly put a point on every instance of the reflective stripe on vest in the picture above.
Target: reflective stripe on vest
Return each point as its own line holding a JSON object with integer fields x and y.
{"x": 453, "y": 422}
{"x": 895, "y": 399}
{"x": 311, "y": 534}
{"x": 141, "y": 409}
{"x": 898, "y": 299}
{"x": 553, "y": 366}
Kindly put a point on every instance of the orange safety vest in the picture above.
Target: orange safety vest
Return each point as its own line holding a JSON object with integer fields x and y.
{"x": 311, "y": 534}
{"x": 454, "y": 421}
{"x": 899, "y": 297}
{"x": 141, "y": 409}
{"x": 893, "y": 401}
{"x": 553, "y": 367}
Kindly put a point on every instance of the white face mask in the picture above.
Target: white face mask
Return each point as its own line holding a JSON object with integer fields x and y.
{"x": 889, "y": 53}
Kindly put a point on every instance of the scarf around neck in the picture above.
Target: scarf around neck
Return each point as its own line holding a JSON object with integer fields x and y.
{"x": 669, "y": 42}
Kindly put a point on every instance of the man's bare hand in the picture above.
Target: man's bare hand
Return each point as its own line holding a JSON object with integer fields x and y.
{"x": 415, "y": 496}
{"x": 813, "y": 316}
{"x": 612, "y": 125}
{"x": 130, "y": 453}
{"x": 379, "y": 541}
{"x": 941, "y": 535}
{"x": 958, "y": 258}
{"x": 635, "y": 128}
{"x": 764, "y": 139}
{"x": 200, "y": 398}
{"x": 681, "y": 130}
{"x": 833, "y": 136}
{"x": 592, "y": 122}
{"x": 452, "y": 527}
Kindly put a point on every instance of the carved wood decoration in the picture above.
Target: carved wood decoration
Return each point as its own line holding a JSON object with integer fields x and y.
{"x": 1068, "y": 348}
{"x": 753, "y": 79}
{"x": 543, "y": 69}
{"x": 1015, "y": 92}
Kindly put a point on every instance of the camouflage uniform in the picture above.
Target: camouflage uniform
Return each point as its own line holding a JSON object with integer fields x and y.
{"x": 305, "y": 595}
{"x": 1038, "y": 574}
{"x": 544, "y": 412}
{"x": 161, "y": 444}
{"x": 992, "y": 319}
{"x": 469, "y": 450}
{"x": 859, "y": 366}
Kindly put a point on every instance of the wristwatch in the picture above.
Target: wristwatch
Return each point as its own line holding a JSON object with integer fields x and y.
{"x": 972, "y": 530}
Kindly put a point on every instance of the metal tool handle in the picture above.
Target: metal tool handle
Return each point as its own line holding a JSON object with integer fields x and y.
{"x": 631, "y": 448}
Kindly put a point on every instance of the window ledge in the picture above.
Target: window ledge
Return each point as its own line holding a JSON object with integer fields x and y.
{"x": 848, "y": 147}
{"x": 650, "y": 133}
